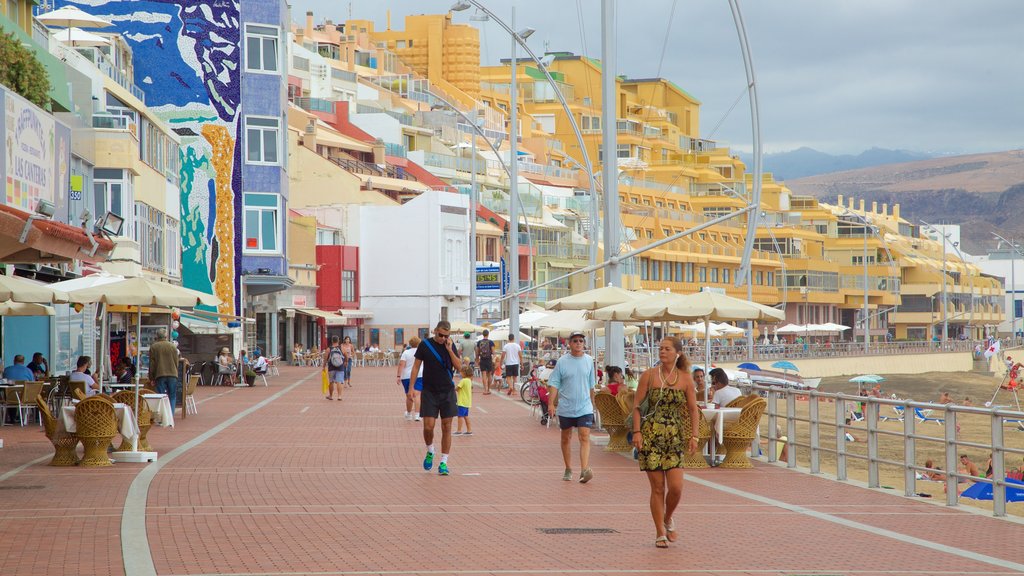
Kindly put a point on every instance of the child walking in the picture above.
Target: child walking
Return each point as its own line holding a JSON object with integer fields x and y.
{"x": 464, "y": 391}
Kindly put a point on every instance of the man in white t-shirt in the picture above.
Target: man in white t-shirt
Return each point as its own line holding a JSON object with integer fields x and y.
{"x": 724, "y": 393}
{"x": 405, "y": 362}
{"x": 510, "y": 362}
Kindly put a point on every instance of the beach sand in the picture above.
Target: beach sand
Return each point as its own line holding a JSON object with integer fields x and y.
{"x": 924, "y": 388}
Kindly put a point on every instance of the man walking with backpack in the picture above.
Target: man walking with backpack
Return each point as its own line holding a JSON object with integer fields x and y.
{"x": 334, "y": 365}
{"x": 439, "y": 360}
{"x": 485, "y": 360}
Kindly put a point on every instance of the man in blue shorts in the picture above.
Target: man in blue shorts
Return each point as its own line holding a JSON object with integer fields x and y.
{"x": 439, "y": 360}
{"x": 572, "y": 386}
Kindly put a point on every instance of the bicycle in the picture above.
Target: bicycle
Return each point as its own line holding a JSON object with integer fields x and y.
{"x": 530, "y": 390}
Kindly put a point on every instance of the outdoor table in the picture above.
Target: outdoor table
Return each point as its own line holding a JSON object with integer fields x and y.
{"x": 118, "y": 386}
{"x": 160, "y": 405}
{"x": 125, "y": 420}
{"x": 717, "y": 417}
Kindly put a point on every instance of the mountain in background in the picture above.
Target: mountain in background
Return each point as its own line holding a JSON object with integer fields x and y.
{"x": 982, "y": 193}
{"x": 809, "y": 162}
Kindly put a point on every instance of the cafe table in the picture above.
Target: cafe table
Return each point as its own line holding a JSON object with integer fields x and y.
{"x": 126, "y": 425}
{"x": 160, "y": 405}
{"x": 718, "y": 418}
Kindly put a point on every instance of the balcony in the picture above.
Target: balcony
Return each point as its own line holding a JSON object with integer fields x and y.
{"x": 357, "y": 167}
{"x": 395, "y": 150}
{"x": 83, "y": 57}
{"x": 552, "y": 171}
{"x": 456, "y": 163}
{"x": 697, "y": 144}
{"x": 633, "y": 127}
{"x": 315, "y": 105}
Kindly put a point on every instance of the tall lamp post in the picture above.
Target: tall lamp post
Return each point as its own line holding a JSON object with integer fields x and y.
{"x": 1015, "y": 251}
{"x": 945, "y": 302}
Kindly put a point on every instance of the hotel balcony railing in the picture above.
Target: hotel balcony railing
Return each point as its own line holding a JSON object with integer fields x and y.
{"x": 457, "y": 163}
{"x": 628, "y": 127}
{"x": 315, "y": 104}
{"x": 553, "y": 171}
{"x": 79, "y": 60}
{"x": 359, "y": 167}
{"x": 395, "y": 150}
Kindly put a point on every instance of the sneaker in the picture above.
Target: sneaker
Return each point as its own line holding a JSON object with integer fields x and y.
{"x": 417, "y": 418}
{"x": 442, "y": 469}
{"x": 428, "y": 462}
{"x": 467, "y": 433}
{"x": 586, "y": 476}
{"x": 457, "y": 433}
{"x": 568, "y": 475}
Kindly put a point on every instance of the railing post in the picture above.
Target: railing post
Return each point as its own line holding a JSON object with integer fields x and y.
{"x": 951, "y": 479}
{"x": 791, "y": 428}
{"x": 909, "y": 453}
{"x": 773, "y": 418}
{"x": 840, "y": 439}
{"x": 815, "y": 447}
{"x": 998, "y": 473}
{"x": 871, "y": 414}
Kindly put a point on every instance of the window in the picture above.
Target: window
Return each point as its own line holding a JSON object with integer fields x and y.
{"x": 714, "y": 275}
{"x": 149, "y": 233}
{"x": 348, "y": 285}
{"x": 112, "y": 192}
{"x": 400, "y": 44}
{"x": 260, "y": 225}
{"x": 725, "y": 275}
{"x": 650, "y": 233}
{"x": 261, "y": 139}
{"x": 689, "y": 271}
{"x": 173, "y": 237}
{"x": 261, "y": 48}
{"x": 679, "y": 272}
{"x": 760, "y": 277}
{"x": 643, "y": 268}
{"x": 326, "y": 237}
{"x": 703, "y": 274}
{"x": 655, "y": 270}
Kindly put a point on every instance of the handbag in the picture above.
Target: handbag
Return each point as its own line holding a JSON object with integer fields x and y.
{"x": 645, "y": 411}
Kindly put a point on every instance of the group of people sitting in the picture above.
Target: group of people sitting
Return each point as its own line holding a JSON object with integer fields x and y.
{"x": 37, "y": 369}
{"x": 245, "y": 366}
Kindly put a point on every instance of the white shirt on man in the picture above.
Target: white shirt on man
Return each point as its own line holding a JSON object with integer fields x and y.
{"x": 83, "y": 377}
{"x": 409, "y": 356}
{"x": 725, "y": 395}
{"x": 511, "y": 351}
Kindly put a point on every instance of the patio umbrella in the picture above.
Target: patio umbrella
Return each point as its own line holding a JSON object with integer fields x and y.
{"x": 749, "y": 366}
{"x": 141, "y": 292}
{"x": 791, "y": 329}
{"x": 524, "y": 318}
{"x": 69, "y": 16}
{"x": 20, "y": 290}
{"x": 832, "y": 327}
{"x": 90, "y": 281}
{"x": 10, "y": 308}
{"x": 566, "y": 332}
{"x": 866, "y": 379}
{"x": 79, "y": 37}
{"x": 983, "y": 491}
{"x": 463, "y": 326}
{"x": 502, "y": 334}
{"x": 785, "y": 366}
{"x": 594, "y": 299}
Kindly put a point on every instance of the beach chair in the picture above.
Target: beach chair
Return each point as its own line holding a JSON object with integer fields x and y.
{"x": 856, "y": 416}
{"x": 899, "y": 410}
{"x": 925, "y": 416}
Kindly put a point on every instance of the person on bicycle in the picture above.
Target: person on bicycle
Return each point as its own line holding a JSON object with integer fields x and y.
{"x": 571, "y": 387}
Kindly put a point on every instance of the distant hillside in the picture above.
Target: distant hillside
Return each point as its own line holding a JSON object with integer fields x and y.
{"x": 809, "y": 162}
{"x": 981, "y": 192}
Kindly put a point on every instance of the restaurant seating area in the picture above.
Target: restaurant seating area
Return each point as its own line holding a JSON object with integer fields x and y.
{"x": 96, "y": 426}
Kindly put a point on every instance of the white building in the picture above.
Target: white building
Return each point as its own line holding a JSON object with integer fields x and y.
{"x": 414, "y": 263}
{"x": 1007, "y": 263}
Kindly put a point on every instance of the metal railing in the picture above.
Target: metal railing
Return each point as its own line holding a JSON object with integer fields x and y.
{"x": 910, "y": 413}
{"x": 315, "y": 104}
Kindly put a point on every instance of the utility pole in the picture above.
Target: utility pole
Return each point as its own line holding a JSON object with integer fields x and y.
{"x": 472, "y": 234}
{"x": 513, "y": 209}
{"x": 614, "y": 352}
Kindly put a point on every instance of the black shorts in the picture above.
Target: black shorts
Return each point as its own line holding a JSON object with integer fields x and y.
{"x": 511, "y": 371}
{"x": 585, "y": 421}
{"x": 435, "y": 404}
{"x": 487, "y": 364}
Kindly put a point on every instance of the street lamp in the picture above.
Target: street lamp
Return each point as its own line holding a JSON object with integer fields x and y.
{"x": 945, "y": 320}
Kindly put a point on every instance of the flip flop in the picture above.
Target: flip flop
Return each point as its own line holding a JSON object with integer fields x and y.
{"x": 661, "y": 542}
{"x": 670, "y": 530}
{"x": 328, "y": 398}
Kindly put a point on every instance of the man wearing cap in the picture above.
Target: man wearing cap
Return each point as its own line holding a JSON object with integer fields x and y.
{"x": 571, "y": 398}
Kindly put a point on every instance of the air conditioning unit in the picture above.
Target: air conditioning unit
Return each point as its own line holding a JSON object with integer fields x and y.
{"x": 311, "y": 127}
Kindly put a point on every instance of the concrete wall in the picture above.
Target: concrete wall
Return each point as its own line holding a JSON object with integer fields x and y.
{"x": 882, "y": 365}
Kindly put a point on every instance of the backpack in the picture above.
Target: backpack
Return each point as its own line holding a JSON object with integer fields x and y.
{"x": 486, "y": 348}
{"x": 336, "y": 360}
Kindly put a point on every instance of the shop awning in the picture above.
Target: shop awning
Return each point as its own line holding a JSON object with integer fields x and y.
{"x": 258, "y": 284}
{"x": 356, "y": 314}
{"x": 329, "y": 318}
{"x": 47, "y": 240}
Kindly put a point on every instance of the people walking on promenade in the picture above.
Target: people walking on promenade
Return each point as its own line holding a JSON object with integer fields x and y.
{"x": 334, "y": 364}
{"x": 572, "y": 386}
{"x": 467, "y": 347}
{"x": 163, "y": 366}
{"x": 464, "y": 392}
{"x": 658, "y": 433}
{"x": 440, "y": 360}
{"x": 485, "y": 360}
{"x": 350, "y": 353}
{"x": 510, "y": 354}
{"x": 405, "y": 362}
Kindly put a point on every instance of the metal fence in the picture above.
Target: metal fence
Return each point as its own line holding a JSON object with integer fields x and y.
{"x": 819, "y": 431}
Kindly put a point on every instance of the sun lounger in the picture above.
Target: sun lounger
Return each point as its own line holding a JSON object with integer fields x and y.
{"x": 899, "y": 410}
{"x": 925, "y": 416}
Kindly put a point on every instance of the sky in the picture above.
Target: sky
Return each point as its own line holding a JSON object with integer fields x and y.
{"x": 936, "y": 76}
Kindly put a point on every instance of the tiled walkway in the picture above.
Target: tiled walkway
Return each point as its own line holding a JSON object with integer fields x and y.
{"x": 280, "y": 481}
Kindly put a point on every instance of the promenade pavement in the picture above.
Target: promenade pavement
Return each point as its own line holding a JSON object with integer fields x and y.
{"x": 278, "y": 480}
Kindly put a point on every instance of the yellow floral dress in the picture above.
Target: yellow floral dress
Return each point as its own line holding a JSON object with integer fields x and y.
{"x": 663, "y": 434}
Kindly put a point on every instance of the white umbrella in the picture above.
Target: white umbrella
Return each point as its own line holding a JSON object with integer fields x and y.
{"x": 791, "y": 329}
{"x": 727, "y": 328}
{"x": 20, "y": 290}
{"x": 91, "y": 281}
{"x": 141, "y": 292}
{"x": 524, "y": 318}
{"x": 594, "y": 299}
{"x": 69, "y": 16}
{"x": 566, "y": 332}
{"x": 501, "y": 334}
{"x": 831, "y": 327}
{"x": 79, "y": 37}
{"x": 463, "y": 326}
{"x": 10, "y": 308}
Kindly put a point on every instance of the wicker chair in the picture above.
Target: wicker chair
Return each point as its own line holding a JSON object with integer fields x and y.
{"x": 78, "y": 393}
{"x": 738, "y": 402}
{"x": 144, "y": 419}
{"x": 96, "y": 426}
{"x": 64, "y": 442}
{"x": 738, "y": 436}
{"x": 613, "y": 419}
{"x": 695, "y": 460}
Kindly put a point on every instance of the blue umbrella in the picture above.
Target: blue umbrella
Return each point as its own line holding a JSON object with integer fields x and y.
{"x": 785, "y": 365}
{"x": 983, "y": 491}
{"x": 749, "y": 366}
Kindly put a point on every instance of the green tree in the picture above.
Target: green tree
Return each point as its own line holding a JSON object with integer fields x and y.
{"x": 22, "y": 72}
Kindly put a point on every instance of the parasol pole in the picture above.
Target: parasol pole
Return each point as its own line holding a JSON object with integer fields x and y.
{"x": 707, "y": 356}
{"x": 138, "y": 374}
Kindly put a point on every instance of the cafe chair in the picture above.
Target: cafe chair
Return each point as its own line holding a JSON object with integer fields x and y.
{"x": 78, "y": 393}
{"x": 189, "y": 397}
{"x": 738, "y": 402}
{"x": 738, "y": 436}
{"x": 96, "y": 426}
{"x": 64, "y": 442}
{"x": 613, "y": 420}
{"x": 144, "y": 419}
{"x": 11, "y": 400}
{"x": 695, "y": 460}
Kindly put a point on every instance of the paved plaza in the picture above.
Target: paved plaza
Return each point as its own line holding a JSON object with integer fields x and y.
{"x": 279, "y": 480}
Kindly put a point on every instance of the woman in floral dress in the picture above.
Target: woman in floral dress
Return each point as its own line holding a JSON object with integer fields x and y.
{"x": 659, "y": 436}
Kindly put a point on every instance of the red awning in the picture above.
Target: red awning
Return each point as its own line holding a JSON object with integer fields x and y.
{"x": 47, "y": 241}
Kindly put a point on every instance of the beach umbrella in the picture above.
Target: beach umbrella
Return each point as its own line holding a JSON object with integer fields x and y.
{"x": 501, "y": 334}
{"x": 594, "y": 299}
{"x": 524, "y": 318}
{"x": 791, "y": 329}
{"x": 867, "y": 379}
{"x": 79, "y": 37}
{"x": 91, "y": 281}
{"x": 627, "y": 331}
{"x": 10, "y": 308}
{"x": 749, "y": 366}
{"x": 785, "y": 366}
{"x": 463, "y": 326}
{"x": 141, "y": 292}
{"x": 20, "y": 290}
{"x": 69, "y": 16}
{"x": 983, "y": 491}
{"x": 832, "y": 327}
